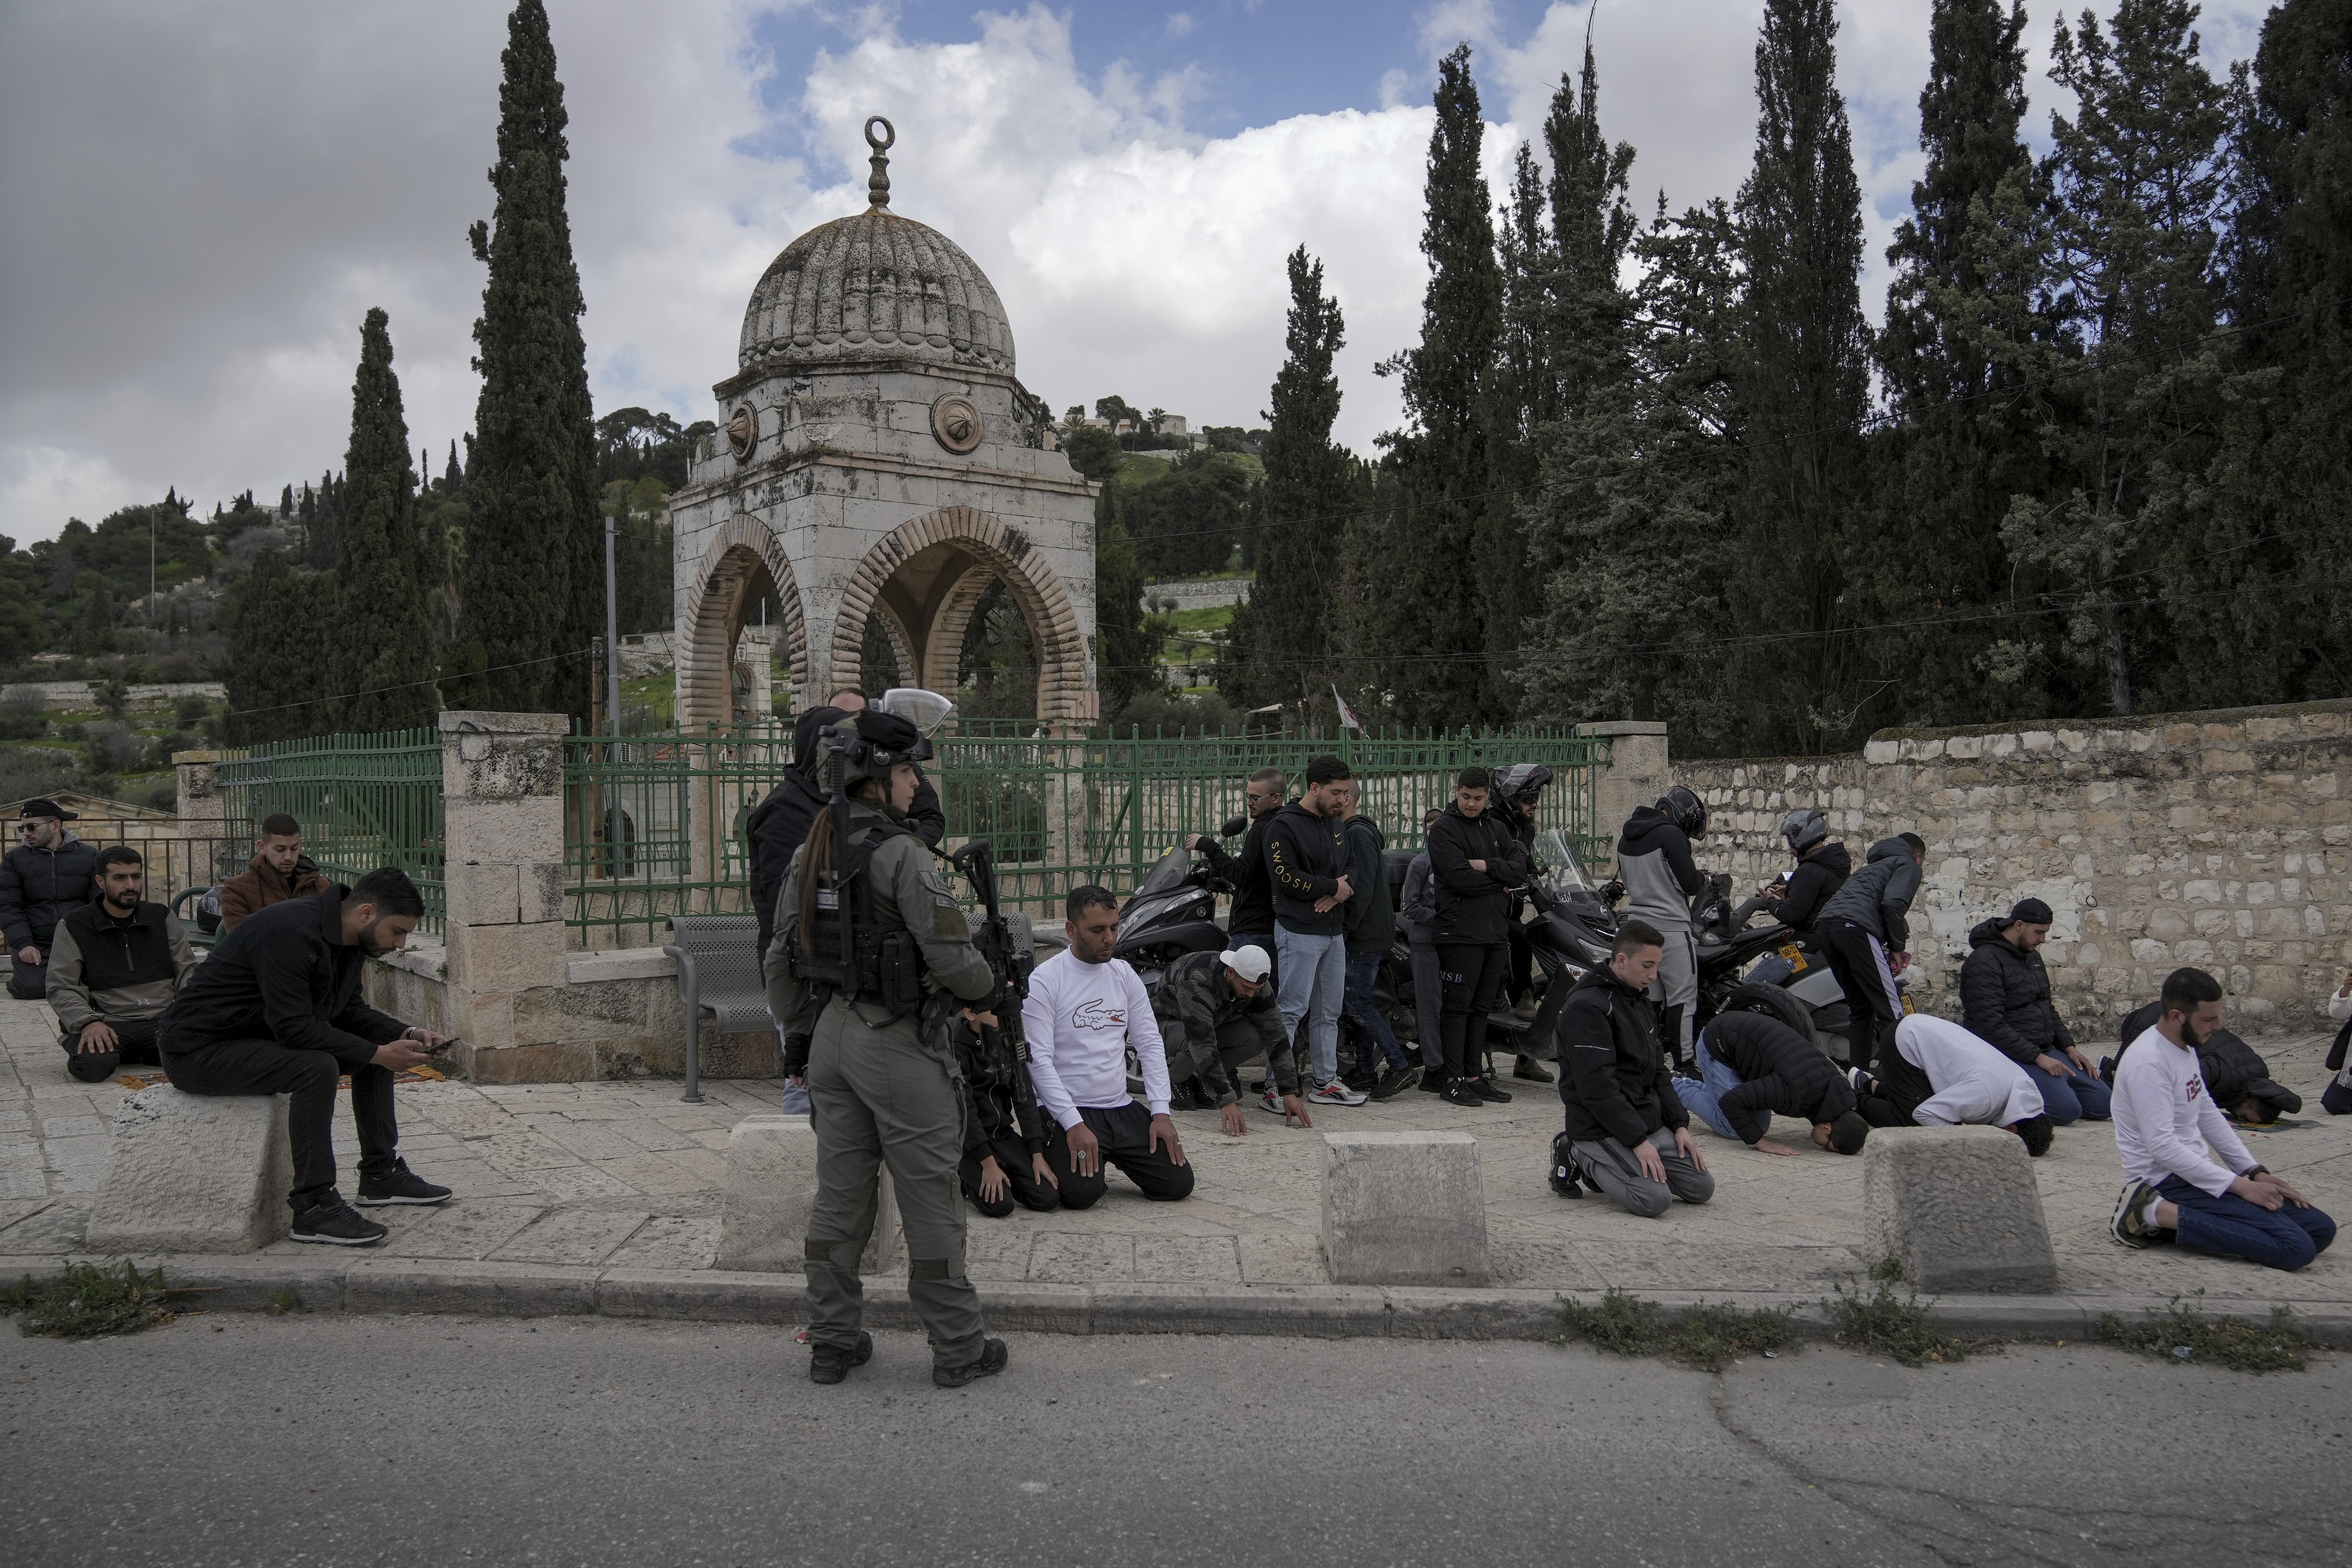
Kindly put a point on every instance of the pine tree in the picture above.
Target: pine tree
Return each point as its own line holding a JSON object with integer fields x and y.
{"x": 286, "y": 501}
{"x": 274, "y": 622}
{"x": 454, "y": 476}
{"x": 1276, "y": 648}
{"x": 319, "y": 526}
{"x": 1445, "y": 554}
{"x": 533, "y": 565}
{"x": 1128, "y": 654}
{"x": 380, "y": 658}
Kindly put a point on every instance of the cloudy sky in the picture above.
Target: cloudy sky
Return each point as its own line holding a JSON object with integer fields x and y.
{"x": 203, "y": 200}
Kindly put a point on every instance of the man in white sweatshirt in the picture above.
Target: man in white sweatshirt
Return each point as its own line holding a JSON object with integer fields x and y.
{"x": 1083, "y": 1009}
{"x": 2171, "y": 1134}
{"x": 1940, "y": 1075}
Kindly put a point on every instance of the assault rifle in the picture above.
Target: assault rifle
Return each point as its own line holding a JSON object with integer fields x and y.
{"x": 1010, "y": 953}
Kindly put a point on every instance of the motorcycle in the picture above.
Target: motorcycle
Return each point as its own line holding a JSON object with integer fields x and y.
{"x": 1770, "y": 969}
{"x": 1172, "y": 912}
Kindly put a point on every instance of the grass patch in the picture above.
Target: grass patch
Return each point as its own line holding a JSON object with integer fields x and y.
{"x": 90, "y": 1300}
{"x": 1700, "y": 1336}
{"x": 1879, "y": 1324}
{"x": 2184, "y": 1335}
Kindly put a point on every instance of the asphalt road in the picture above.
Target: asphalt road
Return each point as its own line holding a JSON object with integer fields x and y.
{"x": 334, "y": 1440}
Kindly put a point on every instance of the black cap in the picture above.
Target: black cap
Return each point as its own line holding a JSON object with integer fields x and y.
{"x": 2029, "y": 912}
{"x": 43, "y": 806}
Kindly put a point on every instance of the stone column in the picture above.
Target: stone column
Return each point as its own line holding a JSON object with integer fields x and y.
{"x": 200, "y": 800}
{"x": 502, "y": 785}
{"x": 1636, "y": 774}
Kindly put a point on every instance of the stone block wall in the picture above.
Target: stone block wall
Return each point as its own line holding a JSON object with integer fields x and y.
{"x": 2219, "y": 839}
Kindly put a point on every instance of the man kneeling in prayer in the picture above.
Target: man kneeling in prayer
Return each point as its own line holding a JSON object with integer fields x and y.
{"x": 1751, "y": 1066}
{"x": 1939, "y": 1075}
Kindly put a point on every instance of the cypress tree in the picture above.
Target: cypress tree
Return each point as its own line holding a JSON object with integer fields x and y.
{"x": 453, "y": 476}
{"x": 532, "y": 570}
{"x": 319, "y": 527}
{"x": 275, "y": 626}
{"x": 1442, "y": 550}
{"x": 1126, "y": 650}
{"x": 382, "y": 636}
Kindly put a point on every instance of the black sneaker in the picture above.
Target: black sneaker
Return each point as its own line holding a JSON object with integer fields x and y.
{"x": 1459, "y": 1091}
{"x": 1563, "y": 1169}
{"x": 1432, "y": 1081}
{"x": 1531, "y": 1069}
{"x": 1487, "y": 1089}
{"x": 1395, "y": 1081}
{"x": 399, "y": 1185}
{"x": 829, "y": 1364}
{"x": 337, "y": 1223}
{"x": 992, "y": 1357}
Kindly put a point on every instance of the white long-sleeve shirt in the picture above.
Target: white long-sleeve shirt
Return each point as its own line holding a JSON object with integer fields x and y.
{"x": 2339, "y": 1004}
{"x": 2163, "y": 1110}
{"x": 1975, "y": 1084}
{"x": 1079, "y": 1019}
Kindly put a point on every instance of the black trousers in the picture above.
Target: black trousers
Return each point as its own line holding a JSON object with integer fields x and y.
{"x": 1859, "y": 961}
{"x": 264, "y": 1067}
{"x": 1020, "y": 1185}
{"x": 1125, "y": 1133}
{"x": 1473, "y": 978}
{"x": 138, "y": 1048}
{"x": 29, "y": 982}
{"x": 1902, "y": 1089}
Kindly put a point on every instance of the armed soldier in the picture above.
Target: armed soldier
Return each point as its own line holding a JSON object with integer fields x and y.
{"x": 869, "y": 946}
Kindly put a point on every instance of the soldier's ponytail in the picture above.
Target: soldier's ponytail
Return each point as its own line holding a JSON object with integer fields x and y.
{"x": 816, "y": 864}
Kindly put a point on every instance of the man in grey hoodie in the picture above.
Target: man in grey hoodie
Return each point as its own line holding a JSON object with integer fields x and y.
{"x": 1653, "y": 861}
{"x": 1864, "y": 922}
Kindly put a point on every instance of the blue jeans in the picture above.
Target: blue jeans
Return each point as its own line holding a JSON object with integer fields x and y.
{"x": 2232, "y": 1227}
{"x": 2072, "y": 1095}
{"x": 1372, "y": 1024}
{"x": 1703, "y": 1095}
{"x": 1311, "y": 972}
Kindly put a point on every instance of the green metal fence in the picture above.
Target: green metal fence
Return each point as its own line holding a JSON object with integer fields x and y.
{"x": 363, "y": 801}
{"x": 654, "y": 824}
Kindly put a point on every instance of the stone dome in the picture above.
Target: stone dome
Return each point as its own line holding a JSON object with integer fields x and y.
{"x": 875, "y": 285}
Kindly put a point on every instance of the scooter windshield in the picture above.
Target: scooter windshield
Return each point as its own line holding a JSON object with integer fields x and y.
{"x": 1166, "y": 873}
{"x": 1556, "y": 867}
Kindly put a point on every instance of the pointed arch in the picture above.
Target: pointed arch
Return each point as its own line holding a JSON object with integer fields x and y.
{"x": 738, "y": 555}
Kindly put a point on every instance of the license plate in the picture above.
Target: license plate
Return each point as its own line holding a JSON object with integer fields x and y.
{"x": 1907, "y": 1006}
{"x": 1792, "y": 952}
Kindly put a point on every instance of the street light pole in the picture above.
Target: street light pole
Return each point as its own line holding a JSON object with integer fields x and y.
{"x": 612, "y": 635}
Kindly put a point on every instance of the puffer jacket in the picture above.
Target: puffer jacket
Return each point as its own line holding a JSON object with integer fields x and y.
{"x": 1821, "y": 872}
{"x": 1779, "y": 1072}
{"x": 1614, "y": 1079}
{"x": 2005, "y": 997}
{"x": 1878, "y": 896}
{"x": 38, "y": 888}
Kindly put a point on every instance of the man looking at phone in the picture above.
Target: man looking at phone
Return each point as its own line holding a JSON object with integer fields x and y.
{"x": 116, "y": 965}
{"x": 277, "y": 1010}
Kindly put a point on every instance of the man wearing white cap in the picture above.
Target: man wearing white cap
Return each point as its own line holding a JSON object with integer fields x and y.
{"x": 1939, "y": 1075}
{"x": 1216, "y": 1012}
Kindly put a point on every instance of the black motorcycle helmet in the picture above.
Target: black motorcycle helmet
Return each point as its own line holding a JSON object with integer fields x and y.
{"x": 1521, "y": 783}
{"x": 1685, "y": 811}
{"x": 1804, "y": 829}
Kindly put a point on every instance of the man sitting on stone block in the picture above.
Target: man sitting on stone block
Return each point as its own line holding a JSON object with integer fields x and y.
{"x": 115, "y": 965}
{"x": 1627, "y": 1134}
{"x": 1751, "y": 1066}
{"x": 1939, "y": 1075}
{"x": 277, "y": 1010}
{"x": 2005, "y": 1002}
{"x": 1215, "y": 1011}
{"x": 2187, "y": 1177}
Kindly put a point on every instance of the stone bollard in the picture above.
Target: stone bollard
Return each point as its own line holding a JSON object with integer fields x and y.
{"x": 1959, "y": 1208}
{"x": 770, "y": 1187}
{"x": 194, "y": 1172}
{"x": 1404, "y": 1208}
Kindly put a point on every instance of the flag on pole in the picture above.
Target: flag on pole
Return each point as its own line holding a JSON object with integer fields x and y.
{"x": 1346, "y": 717}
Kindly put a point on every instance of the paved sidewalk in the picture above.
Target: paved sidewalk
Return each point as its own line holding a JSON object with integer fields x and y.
{"x": 623, "y": 1176}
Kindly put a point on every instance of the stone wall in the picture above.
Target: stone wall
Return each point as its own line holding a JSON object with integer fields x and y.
{"x": 2219, "y": 839}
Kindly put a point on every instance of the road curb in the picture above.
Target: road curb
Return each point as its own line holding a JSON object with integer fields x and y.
{"x": 342, "y": 1284}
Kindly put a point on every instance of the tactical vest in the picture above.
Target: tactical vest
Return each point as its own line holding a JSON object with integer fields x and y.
{"x": 885, "y": 967}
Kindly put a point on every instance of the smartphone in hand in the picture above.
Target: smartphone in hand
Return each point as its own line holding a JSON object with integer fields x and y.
{"x": 439, "y": 1049}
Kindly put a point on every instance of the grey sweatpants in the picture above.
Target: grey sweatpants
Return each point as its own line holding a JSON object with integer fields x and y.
{"x": 1610, "y": 1166}
{"x": 1677, "y": 984}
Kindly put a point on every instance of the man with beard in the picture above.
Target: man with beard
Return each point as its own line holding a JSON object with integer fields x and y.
{"x": 277, "y": 1010}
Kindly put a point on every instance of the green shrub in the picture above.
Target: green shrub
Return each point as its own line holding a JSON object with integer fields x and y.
{"x": 2185, "y": 1336}
{"x": 89, "y": 1300}
{"x": 1878, "y": 1324}
{"x": 1702, "y": 1336}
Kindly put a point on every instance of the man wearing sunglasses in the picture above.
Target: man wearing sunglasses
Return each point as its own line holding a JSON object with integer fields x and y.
{"x": 47, "y": 875}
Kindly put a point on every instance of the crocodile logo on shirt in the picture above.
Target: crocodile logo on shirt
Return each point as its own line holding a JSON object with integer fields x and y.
{"x": 1095, "y": 1013}
{"x": 2195, "y": 1085}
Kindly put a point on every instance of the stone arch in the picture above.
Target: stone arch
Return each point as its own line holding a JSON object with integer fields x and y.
{"x": 739, "y": 552}
{"x": 990, "y": 549}
{"x": 943, "y": 644}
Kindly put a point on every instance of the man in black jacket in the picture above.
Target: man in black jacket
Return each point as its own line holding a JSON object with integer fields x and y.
{"x": 1627, "y": 1134}
{"x": 277, "y": 1010}
{"x": 1307, "y": 861}
{"x": 1476, "y": 860}
{"x": 115, "y": 966}
{"x": 1250, "y": 921}
{"x": 1751, "y": 1066}
{"x": 47, "y": 873}
{"x": 1866, "y": 920}
{"x": 1369, "y": 922}
{"x": 2005, "y": 1002}
{"x": 1822, "y": 866}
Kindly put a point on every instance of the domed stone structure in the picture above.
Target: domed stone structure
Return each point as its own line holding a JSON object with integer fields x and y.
{"x": 877, "y": 459}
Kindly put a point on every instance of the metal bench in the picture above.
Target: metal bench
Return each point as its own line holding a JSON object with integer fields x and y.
{"x": 718, "y": 969}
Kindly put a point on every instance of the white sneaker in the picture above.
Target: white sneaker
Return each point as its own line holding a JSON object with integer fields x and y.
{"x": 1336, "y": 1093}
{"x": 1270, "y": 1100}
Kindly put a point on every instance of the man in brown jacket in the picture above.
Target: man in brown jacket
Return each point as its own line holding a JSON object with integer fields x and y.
{"x": 278, "y": 871}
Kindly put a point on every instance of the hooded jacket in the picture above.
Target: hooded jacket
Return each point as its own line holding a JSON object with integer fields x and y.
{"x": 780, "y": 823}
{"x": 284, "y": 974}
{"x": 1306, "y": 855}
{"x": 1474, "y": 906}
{"x": 259, "y": 886}
{"x": 1653, "y": 861}
{"x": 1779, "y": 1071}
{"x": 1253, "y": 905}
{"x": 1821, "y": 873}
{"x": 39, "y": 887}
{"x": 2005, "y": 997}
{"x": 1878, "y": 896}
{"x": 1367, "y": 916}
{"x": 1614, "y": 1077}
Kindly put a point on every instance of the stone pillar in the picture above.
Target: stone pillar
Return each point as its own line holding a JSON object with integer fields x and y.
{"x": 1636, "y": 774}
{"x": 502, "y": 788}
{"x": 200, "y": 800}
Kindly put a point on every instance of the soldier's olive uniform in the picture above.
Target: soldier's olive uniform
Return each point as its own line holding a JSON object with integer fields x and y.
{"x": 884, "y": 1091}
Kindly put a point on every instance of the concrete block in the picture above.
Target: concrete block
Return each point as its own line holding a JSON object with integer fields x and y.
{"x": 770, "y": 1187}
{"x": 194, "y": 1173}
{"x": 1404, "y": 1208}
{"x": 1958, "y": 1206}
